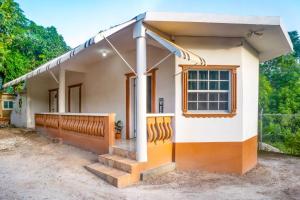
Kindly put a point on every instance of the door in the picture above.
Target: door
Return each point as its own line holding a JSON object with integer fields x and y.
{"x": 131, "y": 99}
{"x": 74, "y": 98}
{"x": 133, "y": 105}
{"x": 53, "y": 100}
{"x": 134, "y": 100}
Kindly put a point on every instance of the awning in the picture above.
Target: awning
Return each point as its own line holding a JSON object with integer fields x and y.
{"x": 177, "y": 50}
{"x": 70, "y": 54}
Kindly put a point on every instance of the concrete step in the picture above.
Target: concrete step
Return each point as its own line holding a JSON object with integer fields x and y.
{"x": 120, "y": 163}
{"x": 155, "y": 172}
{"x": 123, "y": 153}
{"x": 113, "y": 176}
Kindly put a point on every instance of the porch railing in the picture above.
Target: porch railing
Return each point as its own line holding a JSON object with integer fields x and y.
{"x": 159, "y": 127}
{"x": 80, "y": 129}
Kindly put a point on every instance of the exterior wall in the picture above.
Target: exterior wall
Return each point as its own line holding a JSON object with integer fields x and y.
{"x": 216, "y": 51}
{"x": 19, "y": 113}
{"x": 4, "y": 113}
{"x": 219, "y": 144}
{"x": 73, "y": 78}
{"x": 250, "y": 77}
{"x": 4, "y": 96}
{"x": 105, "y": 84}
{"x": 38, "y": 97}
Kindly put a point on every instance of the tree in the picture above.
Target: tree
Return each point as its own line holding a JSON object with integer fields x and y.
{"x": 24, "y": 45}
{"x": 280, "y": 93}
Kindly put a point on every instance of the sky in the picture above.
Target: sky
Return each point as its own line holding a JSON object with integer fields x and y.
{"x": 78, "y": 20}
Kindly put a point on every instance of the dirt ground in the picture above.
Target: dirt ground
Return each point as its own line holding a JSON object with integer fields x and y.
{"x": 32, "y": 167}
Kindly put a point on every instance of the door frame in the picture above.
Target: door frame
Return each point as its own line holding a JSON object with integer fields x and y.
{"x": 69, "y": 96}
{"x": 129, "y": 77}
{"x": 49, "y": 96}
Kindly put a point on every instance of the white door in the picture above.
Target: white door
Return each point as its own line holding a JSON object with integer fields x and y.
{"x": 75, "y": 99}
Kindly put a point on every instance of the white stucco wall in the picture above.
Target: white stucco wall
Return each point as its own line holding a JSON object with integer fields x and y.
{"x": 250, "y": 64}
{"x": 105, "y": 83}
{"x": 37, "y": 96}
{"x": 218, "y": 51}
{"x": 18, "y": 115}
{"x": 103, "y": 89}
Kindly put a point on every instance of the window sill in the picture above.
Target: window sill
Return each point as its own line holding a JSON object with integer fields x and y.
{"x": 209, "y": 115}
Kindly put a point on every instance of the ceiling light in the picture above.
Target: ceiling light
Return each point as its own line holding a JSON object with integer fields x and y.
{"x": 104, "y": 53}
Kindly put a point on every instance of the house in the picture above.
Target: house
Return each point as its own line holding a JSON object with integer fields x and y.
{"x": 7, "y": 102}
{"x": 185, "y": 86}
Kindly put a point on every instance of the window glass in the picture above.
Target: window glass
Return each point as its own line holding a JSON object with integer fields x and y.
{"x": 203, "y": 106}
{"x": 202, "y": 96}
{"x": 192, "y": 96}
{"x": 203, "y": 85}
{"x": 192, "y": 75}
{"x": 224, "y": 75}
{"x": 213, "y": 85}
{"x": 208, "y": 90}
{"x": 192, "y": 85}
{"x": 8, "y": 104}
{"x": 213, "y": 75}
{"x": 224, "y": 85}
{"x": 203, "y": 75}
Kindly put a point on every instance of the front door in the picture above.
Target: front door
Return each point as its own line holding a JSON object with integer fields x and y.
{"x": 74, "y": 98}
{"x": 53, "y": 100}
{"x": 131, "y": 99}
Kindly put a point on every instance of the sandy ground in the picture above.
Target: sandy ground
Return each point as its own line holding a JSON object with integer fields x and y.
{"x": 31, "y": 167}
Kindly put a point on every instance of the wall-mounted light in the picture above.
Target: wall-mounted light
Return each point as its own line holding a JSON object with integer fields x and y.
{"x": 257, "y": 33}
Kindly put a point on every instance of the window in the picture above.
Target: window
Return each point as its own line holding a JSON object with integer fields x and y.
{"x": 8, "y": 105}
{"x": 209, "y": 91}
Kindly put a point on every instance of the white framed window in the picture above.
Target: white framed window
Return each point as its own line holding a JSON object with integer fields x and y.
{"x": 8, "y": 104}
{"x": 208, "y": 91}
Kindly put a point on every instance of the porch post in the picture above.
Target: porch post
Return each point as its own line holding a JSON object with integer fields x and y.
{"x": 141, "y": 65}
{"x": 61, "y": 91}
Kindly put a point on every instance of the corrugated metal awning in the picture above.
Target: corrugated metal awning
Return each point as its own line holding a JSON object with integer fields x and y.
{"x": 177, "y": 50}
{"x": 70, "y": 54}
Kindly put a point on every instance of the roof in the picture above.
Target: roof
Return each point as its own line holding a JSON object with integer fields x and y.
{"x": 265, "y": 34}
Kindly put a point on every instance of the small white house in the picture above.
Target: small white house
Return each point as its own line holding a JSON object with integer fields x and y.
{"x": 184, "y": 85}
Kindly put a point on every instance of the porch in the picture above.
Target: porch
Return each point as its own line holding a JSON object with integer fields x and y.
{"x": 96, "y": 131}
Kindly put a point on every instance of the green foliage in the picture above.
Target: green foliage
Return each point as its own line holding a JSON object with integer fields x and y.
{"x": 280, "y": 93}
{"x": 23, "y": 44}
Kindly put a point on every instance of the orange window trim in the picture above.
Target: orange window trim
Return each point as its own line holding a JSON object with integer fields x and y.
{"x": 233, "y": 92}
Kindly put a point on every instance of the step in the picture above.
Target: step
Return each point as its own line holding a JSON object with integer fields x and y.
{"x": 113, "y": 176}
{"x": 155, "y": 172}
{"x": 120, "y": 162}
{"x": 123, "y": 153}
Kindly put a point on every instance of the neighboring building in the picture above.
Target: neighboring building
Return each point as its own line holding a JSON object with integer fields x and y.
{"x": 7, "y": 104}
{"x": 185, "y": 86}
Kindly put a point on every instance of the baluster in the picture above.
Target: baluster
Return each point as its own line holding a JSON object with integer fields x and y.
{"x": 161, "y": 132}
{"x": 93, "y": 130}
{"x": 151, "y": 129}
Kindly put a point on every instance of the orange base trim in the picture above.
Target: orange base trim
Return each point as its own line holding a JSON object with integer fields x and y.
{"x": 159, "y": 153}
{"x": 229, "y": 157}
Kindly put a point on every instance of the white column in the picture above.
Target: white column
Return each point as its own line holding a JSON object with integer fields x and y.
{"x": 141, "y": 66}
{"x": 61, "y": 91}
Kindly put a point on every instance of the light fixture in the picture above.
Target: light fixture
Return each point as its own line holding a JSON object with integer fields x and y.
{"x": 104, "y": 54}
{"x": 258, "y": 33}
